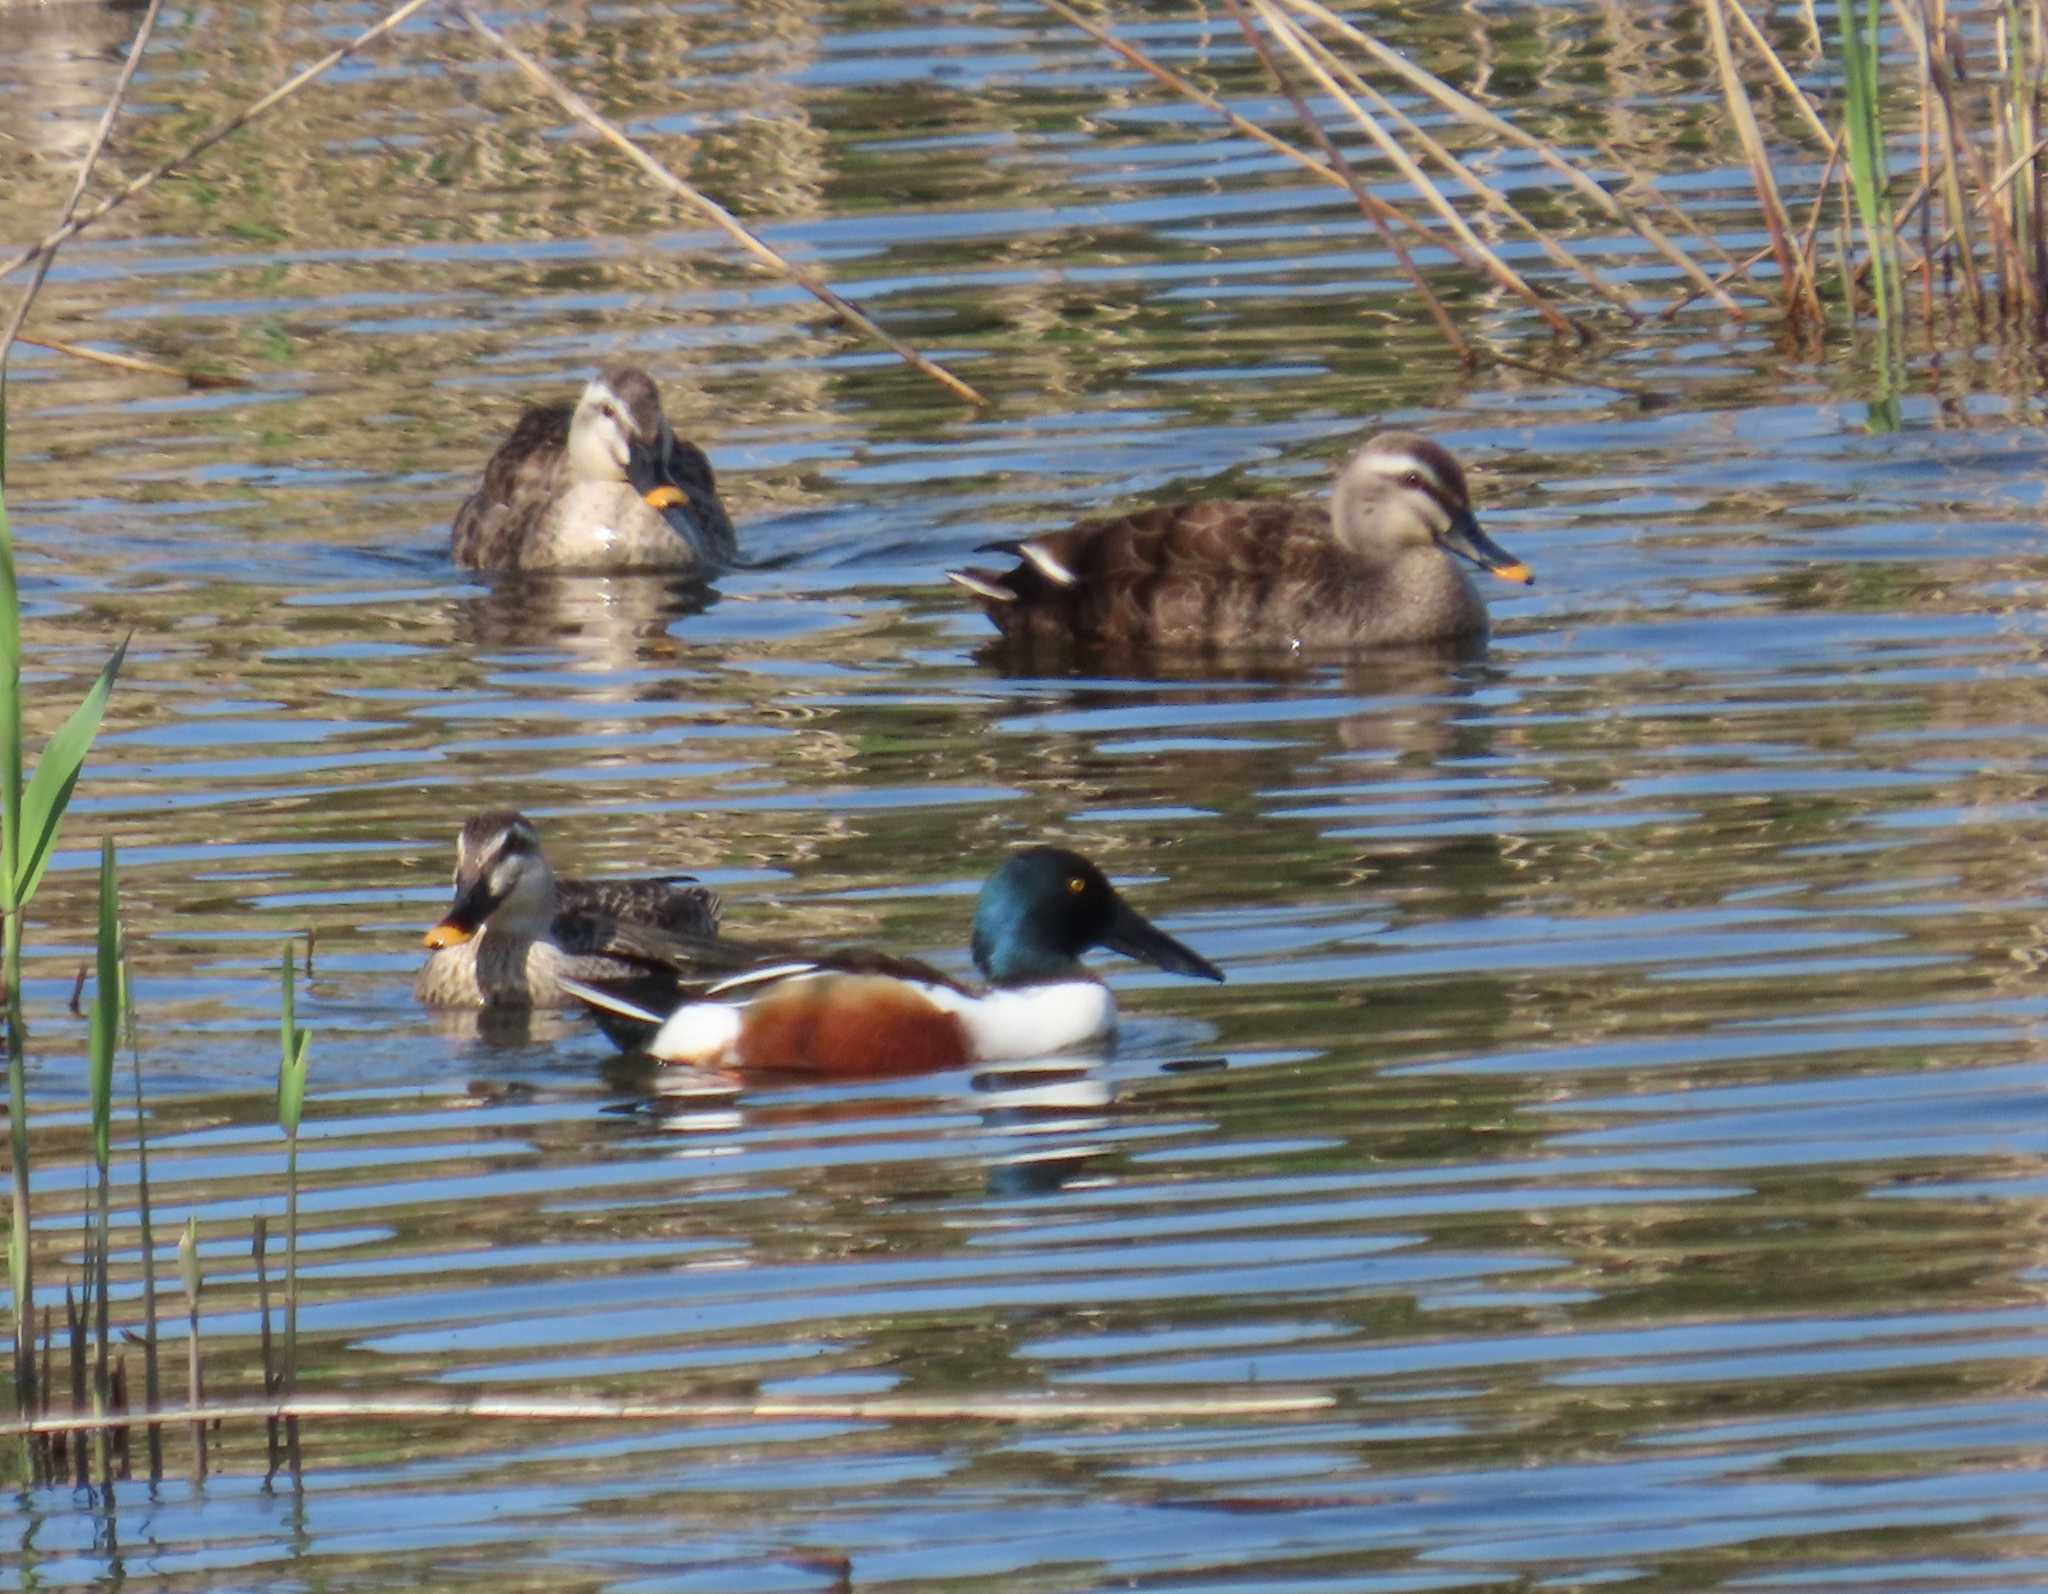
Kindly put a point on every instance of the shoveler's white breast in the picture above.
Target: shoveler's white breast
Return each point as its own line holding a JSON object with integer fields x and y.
{"x": 706, "y": 1033}
{"x": 1029, "y": 1020}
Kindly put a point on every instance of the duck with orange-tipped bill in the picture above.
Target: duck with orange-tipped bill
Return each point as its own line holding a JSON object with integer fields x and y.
{"x": 515, "y": 928}
{"x": 603, "y": 484}
{"x": 865, "y": 1013}
{"x": 1383, "y": 565}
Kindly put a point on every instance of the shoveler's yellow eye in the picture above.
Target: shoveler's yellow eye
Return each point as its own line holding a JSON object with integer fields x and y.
{"x": 1076, "y": 884}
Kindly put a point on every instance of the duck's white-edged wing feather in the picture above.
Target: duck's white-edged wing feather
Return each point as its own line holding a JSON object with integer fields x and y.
{"x": 767, "y": 974}
{"x": 610, "y": 1001}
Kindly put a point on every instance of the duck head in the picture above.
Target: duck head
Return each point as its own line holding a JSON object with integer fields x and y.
{"x": 1046, "y": 906}
{"x": 617, "y": 427}
{"x": 1403, "y": 491}
{"x": 501, "y": 878}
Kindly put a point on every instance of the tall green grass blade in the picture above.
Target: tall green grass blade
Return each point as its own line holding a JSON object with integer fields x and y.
{"x": 104, "y": 1023}
{"x": 152, "y": 1372}
{"x": 1868, "y": 177}
{"x": 49, "y": 789}
{"x": 293, "y": 1044}
{"x": 195, "y": 1382}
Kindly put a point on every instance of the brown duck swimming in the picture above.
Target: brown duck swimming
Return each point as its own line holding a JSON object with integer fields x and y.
{"x": 514, "y": 930}
{"x": 604, "y": 485}
{"x": 1381, "y": 565}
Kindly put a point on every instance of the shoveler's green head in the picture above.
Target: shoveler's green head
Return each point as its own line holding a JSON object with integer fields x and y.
{"x": 1046, "y": 906}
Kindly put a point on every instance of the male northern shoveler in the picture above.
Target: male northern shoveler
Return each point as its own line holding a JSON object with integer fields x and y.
{"x": 863, "y": 1013}
{"x": 1378, "y": 567}
{"x": 514, "y": 930}
{"x": 606, "y": 486}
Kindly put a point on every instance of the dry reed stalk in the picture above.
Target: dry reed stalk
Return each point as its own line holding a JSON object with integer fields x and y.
{"x": 195, "y": 1383}
{"x": 1379, "y": 208}
{"x": 46, "y": 1470}
{"x": 2001, "y": 181}
{"x": 74, "y": 1322}
{"x": 200, "y": 380}
{"x": 1787, "y": 84}
{"x": 234, "y": 124}
{"x": 1813, "y": 34}
{"x": 152, "y": 1380}
{"x": 85, "y": 166}
{"x": 1293, "y": 41}
{"x": 1202, "y": 97}
{"x": 2017, "y": 130}
{"x": 710, "y": 210}
{"x": 1802, "y": 297}
{"x": 1950, "y": 131}
{"x": 789, "y": 1408}
{"x": 118, "y": 1404}
{"x": 1348, "y": 88}
{"x": 1489, "y": 196}
{"x": 1467, "y": 109}
{"x": 271, "y": 1381}
{"x": 1367, "y": 202}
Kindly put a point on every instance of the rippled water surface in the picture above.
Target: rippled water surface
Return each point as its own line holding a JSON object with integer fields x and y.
{"x": 1627, "y": 1101}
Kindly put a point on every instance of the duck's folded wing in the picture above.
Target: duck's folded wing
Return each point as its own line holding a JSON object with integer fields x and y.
{"x": 640, "y": 976}
{"x": 672, "y": 903}
{"x": 521, "y": 481}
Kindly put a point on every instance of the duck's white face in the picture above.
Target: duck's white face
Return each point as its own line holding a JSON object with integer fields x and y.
{"x": 601, "y": 434}
{"x": 1394, "y": 495}
{"x": 1402, "y": 492}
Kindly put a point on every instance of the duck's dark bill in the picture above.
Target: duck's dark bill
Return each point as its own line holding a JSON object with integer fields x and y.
{"x": 1467, "y": 541}
{"x": 1134, "y": 935}
{"x": 464, "y": 919}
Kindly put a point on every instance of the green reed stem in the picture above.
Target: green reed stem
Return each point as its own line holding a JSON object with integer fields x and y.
{"x": 1867, "y": 174}
{"x": 293, "y": 1043}
{"x": 152, "y": 1370}
{"x": 103, "y": 1027}
{"x": 195, "y": 1384}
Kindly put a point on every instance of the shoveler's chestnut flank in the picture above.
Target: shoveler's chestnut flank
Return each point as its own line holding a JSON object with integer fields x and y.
{"x": 514, "y": 930}
{"x": 862, "y": 1013}
{"x": 605, "y": 486}
{"x": 1380, "y": 566}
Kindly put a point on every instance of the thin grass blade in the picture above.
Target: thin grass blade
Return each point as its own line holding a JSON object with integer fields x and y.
{"x": 49, "y": 789}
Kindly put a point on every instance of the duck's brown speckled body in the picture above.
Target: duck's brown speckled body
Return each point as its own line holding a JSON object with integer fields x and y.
{"x": 514, "y": 930}
{"x": 600, "y": 485}
{"x": 1379, "y": 566}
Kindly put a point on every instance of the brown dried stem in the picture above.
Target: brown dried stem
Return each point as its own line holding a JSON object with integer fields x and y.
{"x": 709, "y": 209}
{"x": 1366, "y": 201}
{"x": 1320, "y": 64}
{"x": 789, "y": 1408}
{"x": 233, "y": 125}
{"x": 92, "y": 155}
{"x": 1469, "y": 110}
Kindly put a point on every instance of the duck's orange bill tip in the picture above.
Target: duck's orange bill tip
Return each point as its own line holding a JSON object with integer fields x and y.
{"x": 445, "y": 935}
{"x": 1514, "y": 572}
{"x": 665, "y": 497}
